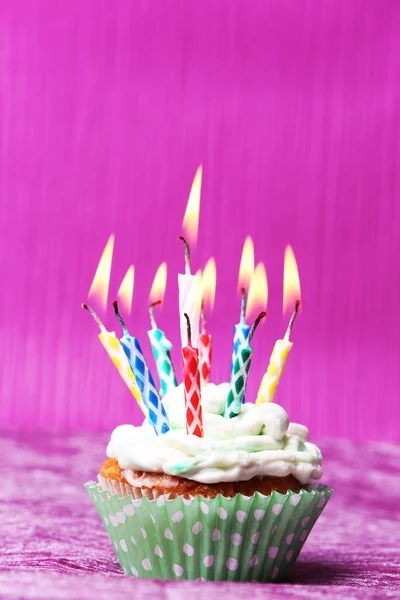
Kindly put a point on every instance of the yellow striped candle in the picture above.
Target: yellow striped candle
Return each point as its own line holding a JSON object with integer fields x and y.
{"x": 116, "y": 352}
{"x": 277, "y": 364}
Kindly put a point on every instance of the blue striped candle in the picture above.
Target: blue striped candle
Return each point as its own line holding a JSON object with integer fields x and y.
{"x": 157, "y": 416}
{"x": 240, "y": 335}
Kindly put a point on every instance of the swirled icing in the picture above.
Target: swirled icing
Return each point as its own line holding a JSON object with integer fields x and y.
{"x": 259, "y": 441}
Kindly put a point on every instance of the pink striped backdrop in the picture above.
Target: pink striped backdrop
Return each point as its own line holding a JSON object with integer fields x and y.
{"x": 107, "y": 108}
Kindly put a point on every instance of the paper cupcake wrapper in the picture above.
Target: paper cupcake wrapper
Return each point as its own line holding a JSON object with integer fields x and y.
{"x": 219, "y": 539}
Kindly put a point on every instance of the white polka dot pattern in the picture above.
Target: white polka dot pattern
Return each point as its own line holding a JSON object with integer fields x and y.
{"x": 289, "y": 555}
{"x": 209, "y": 560}
{"x": 236, "y": 539}
{"x": 221, "y": 512}
{"x": 129, "y": 510}
{"x": 232, "y": 564}
{"x": 273, "y": 551}
{"x": 204, "y": 508}
{"x": 177, "y": 517}
{"x": 303, "y": 535}
{"x": 216, "y": 535}
{"x": 255, "y": 537}
{"x": 295, "y": 499}
{"x": 188, "y": 549}
{"x": 254, "y": 561}
{"x": 259, "y": 514}
{"x": 146, "y": 564}
{"x": 241, "y": 516}
{"x": 197, "y": 527}
{"x": 178, "y": 570}
{"x": 258, "y": 538}
{"x": 289, "y": 538}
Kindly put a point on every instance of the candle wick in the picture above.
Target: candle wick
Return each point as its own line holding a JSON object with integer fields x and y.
{"x": 120, "y": 319}
{"x": 203, "y": 318}
{"x": 151, "y": 311}
{"x": 187, "y": 254}
{"x": 243, "y": 306}
{"x": 255, "y": 325}
{"x": 189, "y": 329}
{"x": 95, "y": 317}
{"x": 292, "y": 320}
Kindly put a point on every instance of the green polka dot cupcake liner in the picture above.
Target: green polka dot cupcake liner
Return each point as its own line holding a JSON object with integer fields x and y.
{"x": 255, "y": 538}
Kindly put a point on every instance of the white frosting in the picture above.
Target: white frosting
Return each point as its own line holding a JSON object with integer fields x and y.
{"x": 259, "y": 441}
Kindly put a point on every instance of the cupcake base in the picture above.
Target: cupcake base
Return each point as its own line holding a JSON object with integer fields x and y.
{"x": 161, "y": 483}
{"x": 255, "y": 538}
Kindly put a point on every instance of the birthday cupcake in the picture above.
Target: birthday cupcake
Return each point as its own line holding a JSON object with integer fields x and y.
{"x": 235, "y": 504}
{"x": 209, "y": 487}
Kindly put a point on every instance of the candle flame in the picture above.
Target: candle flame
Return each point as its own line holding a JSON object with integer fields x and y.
{"x": 198, "y": 285}
{"x": 291, "y": 281}
{"x": 246, "y": 265}
{"x": 190, "y": 223}
{"x": 258, "y": 292}
{"x": 209, "y": 283}
{"x": 101, "y": 280}
{"x": 159, "y": 284}
{"x": 125, "y": 291}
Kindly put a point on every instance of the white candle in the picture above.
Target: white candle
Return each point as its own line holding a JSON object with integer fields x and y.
{"x": 189, "y": 301}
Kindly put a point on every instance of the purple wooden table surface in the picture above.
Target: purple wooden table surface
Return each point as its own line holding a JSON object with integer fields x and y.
{"x": 54, "y": 546}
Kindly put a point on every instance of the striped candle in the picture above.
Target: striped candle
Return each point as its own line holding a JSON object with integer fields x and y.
{"x": 191, "y": 385}
{"x": 240, "y": 372}
{"x": 161, "y": 351}
{"x": 240, "y": 334}
{"x": 157, "y": 416}
{"x": 116, "y": 353}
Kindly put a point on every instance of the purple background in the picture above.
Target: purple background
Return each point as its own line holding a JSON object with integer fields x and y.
{"x": 106, "y": 110}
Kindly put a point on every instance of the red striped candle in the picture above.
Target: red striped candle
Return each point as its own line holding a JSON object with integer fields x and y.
{"x": 191, "y": 383}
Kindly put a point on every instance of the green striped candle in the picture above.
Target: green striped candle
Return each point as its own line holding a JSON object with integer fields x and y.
{"x": 240, "y": 371}
{"x": 161, "y": 351}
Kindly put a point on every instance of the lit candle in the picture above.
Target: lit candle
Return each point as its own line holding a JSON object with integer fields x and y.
{"x": 240, "y": 372}
{"x": 160, "y": 345}
{"x": 125, "y": 291}
{"x": 191, "y": 385}
{"x": 189, "y": 293}
{"x": 277, "y": 364}
{"x": 117, "y": 355}
{"x": 257, "y": 297}
{"x": 205, "y": 349}
{"x": 157, "y": 416}
{"x": 101, "y": 279}
{"x": 280, "y": 352}
{"x": 246, "y": 270}
{"x": 189, "y": 300}
{"x": 209, "y": 282}
{"x": 161, "y": 351}
{"x": 240, "y": 330}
